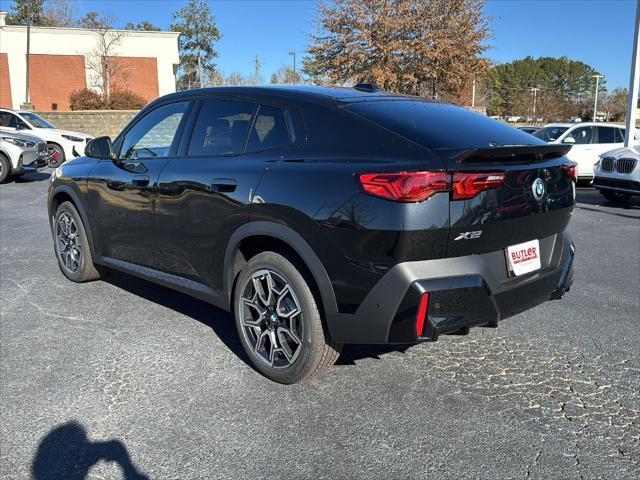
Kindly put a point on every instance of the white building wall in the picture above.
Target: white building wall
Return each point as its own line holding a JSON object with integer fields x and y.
{"x": 75, "y": 41}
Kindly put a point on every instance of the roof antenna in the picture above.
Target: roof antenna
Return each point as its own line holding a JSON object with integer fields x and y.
{"x": 366, "y": 87}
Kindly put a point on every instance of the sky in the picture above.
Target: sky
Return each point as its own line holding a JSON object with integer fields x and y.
{"x": 597, "y": 32}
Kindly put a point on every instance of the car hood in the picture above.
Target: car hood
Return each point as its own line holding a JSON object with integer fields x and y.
{"x": 69, "y": 132}
{"x": 632, "y": 152}
{"x": 20, "y": 136}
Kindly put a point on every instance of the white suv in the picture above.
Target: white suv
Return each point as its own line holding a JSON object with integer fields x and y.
{"x": 589, "y": 141}
{"x": 617, "y": 174}
{"x": 61, "y": 144}
{"x": 20, "y": 154}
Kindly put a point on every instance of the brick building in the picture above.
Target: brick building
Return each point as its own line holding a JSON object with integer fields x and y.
{"x": 61, "y": 60}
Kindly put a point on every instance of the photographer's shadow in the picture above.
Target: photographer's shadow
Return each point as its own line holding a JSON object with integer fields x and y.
{"x": 66, "y": 453}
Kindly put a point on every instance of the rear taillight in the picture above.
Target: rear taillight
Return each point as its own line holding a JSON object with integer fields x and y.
{"x": 419, "y": 186}
{"x": 468, "y": 185}
{"x": 421, "y": 316}
{"x": 570, "y": 169}
{"x": 405, "y": 186}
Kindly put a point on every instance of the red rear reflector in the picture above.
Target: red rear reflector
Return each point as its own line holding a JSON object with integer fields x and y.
{"x": 468, "y": 185}
{"x": 405, "y": 186}
{"x": 422, "y": 314}
{"x": 570, "y": 169}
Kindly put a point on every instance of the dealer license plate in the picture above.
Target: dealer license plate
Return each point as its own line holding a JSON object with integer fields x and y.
{"x": 524, "y": 257}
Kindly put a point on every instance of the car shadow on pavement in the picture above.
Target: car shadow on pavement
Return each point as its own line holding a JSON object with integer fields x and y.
{"x": 66, "y": 453}
{"x": 31, "y": 177}
{"x": 221, "y": 322}
{"x": 590, "y": 196}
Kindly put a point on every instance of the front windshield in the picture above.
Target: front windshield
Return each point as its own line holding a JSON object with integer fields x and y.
{"x": 36, "y": 121}
{"x": 550, "y": 134}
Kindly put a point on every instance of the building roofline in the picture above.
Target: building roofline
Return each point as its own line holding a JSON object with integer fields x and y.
{"x": 87, "y": 31}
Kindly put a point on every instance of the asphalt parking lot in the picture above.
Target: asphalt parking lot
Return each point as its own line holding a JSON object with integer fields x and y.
{"x": 125, "y": 379}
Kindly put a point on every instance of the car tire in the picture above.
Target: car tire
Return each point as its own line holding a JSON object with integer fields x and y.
{"x": 615, "y": 197}
{"x": 53, "y": 149}
{"x": 5, "y": 168}
{"x": 285, "y": 346}
{"x": 72, "y": 246}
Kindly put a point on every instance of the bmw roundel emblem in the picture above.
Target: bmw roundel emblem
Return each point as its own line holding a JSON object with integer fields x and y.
{"x": 538, "y": 189}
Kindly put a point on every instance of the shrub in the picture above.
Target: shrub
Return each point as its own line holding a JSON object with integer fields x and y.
{"x": 86, "y": 99}
{"x": 125, "y": 100}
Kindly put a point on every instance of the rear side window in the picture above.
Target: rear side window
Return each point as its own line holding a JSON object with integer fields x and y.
{"x": 619, "y": 135}
{"x": 269, "y": 130}
{"x": 606, "y": 134}
{"x": 436, "y": 125}
{"x": 221, "y": 128}
{"x": 582, "y": 135}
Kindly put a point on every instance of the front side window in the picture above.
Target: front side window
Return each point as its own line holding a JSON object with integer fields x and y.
{"x": 8, "y": 119}
{"x": 606, "y": 135}
{"x": 154, "y": 134}
{"x": 221, "y": 128}
{"x": 269, "y": 130}
{"x": 582, "y": 135}
{"x": 619, "y": 135}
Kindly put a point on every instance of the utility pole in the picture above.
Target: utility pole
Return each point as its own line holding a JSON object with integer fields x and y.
{"x": 257, "y": 73}
{"x": 535, "y": 94}
{"x": 632, "y": 99}
{"x": 294, "y": 65}
{"x": 473, "y": 92}
{"x": 595, "y": 101}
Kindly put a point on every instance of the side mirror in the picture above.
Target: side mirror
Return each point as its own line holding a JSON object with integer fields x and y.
{"x": 99, "y": 147}
{"x": 21, "y": 126}
{"x": 569, "y": 140}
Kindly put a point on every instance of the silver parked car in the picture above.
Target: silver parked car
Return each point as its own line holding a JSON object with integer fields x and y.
{"x": 20, "y": 153}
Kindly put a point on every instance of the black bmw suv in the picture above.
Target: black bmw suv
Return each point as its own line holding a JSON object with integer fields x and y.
{"x": 322, "y": 216}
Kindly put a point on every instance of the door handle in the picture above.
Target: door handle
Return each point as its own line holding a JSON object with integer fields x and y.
{"x": 223, "y": 185}
{"x": 140, "y": 180}
{"x": 115, "y": 185}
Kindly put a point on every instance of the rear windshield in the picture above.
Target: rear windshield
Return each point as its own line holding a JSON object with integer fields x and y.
{"x": 437, "y": 125}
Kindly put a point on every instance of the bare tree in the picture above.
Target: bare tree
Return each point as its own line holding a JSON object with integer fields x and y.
{"x": 60, "y": 13}
{"x": 237, "y": 79}
{"x": 108, "y": 72}
{"x": 285, "y": 75}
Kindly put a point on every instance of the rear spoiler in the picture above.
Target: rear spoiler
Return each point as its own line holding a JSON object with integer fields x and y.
{"x": 504, "y": 153}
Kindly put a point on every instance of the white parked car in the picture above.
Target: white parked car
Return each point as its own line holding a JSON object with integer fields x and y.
{"x": 20, "y": 153}
{"x": 617, "y": 174}
{"x": 589, "y": 140}
{"x": 61, "y": 144}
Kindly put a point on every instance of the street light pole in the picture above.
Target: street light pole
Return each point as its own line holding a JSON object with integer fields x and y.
{"x": 26, "y": 92}
{"x": 535, "y": 94}
{"x": 595, "y": 101}
{"x": 632, "y": 99}
{"x": 473, "y": 92}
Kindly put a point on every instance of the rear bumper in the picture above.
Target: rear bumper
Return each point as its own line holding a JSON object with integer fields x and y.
{"x": 464, "y": 292}
{"x": 617, "y": 185}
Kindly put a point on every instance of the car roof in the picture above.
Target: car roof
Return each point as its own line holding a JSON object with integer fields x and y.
{"x": 316, "y": 94}
{"x": 584, "y": 124}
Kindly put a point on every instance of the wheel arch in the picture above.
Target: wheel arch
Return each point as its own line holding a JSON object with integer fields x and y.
{"x": 271, "y": 234}
{"x": 64, "y": 193}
